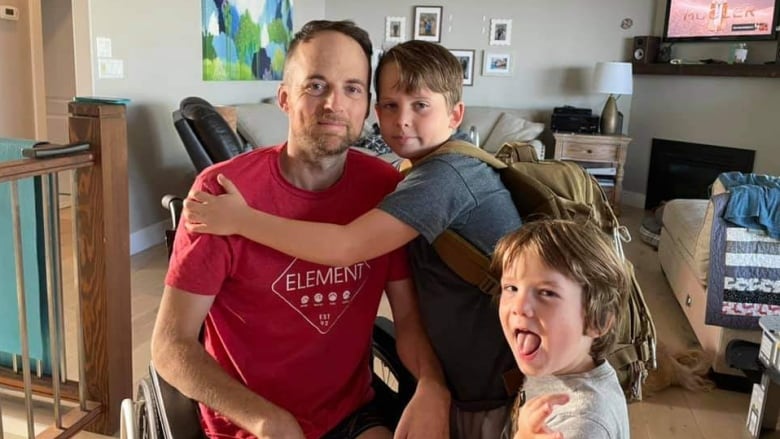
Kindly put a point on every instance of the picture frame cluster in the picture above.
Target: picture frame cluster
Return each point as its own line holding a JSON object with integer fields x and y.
{"x": 427, "y": 26}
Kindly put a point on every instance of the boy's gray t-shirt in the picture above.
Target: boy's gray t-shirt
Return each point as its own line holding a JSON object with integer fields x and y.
{"x": 466, "y": 195}
{"x": 596, "y": 408}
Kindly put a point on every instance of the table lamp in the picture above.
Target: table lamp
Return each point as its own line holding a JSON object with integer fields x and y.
{"x": 613, "y": 78}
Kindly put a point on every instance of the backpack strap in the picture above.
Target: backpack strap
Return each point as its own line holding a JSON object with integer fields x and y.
{"x": 466, "y": 261}
{"x": 462, "y": 257}
{"x": 467, "y": 149}
{"x": 513, "y": 152}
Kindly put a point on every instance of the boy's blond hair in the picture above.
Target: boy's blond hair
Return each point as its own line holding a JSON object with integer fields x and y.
{"x": 422, "y": 64}
{"x": 583, "y": 254}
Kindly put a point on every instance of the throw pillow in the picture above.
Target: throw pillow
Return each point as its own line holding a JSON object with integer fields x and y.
{"x": 510, "y": 128}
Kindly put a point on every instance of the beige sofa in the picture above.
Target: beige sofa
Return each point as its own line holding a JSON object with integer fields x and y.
{"x": 265, "y": 124}
{"x": 684, "y": 253}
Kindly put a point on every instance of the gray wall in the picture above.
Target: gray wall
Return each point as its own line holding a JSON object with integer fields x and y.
{"x": 162, "y": 62}
{"x": 555, "y": 45}
{"x": 15, "y": 72}
{"x": 725, "y": 111}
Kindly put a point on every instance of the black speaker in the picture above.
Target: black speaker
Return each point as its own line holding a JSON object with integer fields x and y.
{"x": 645, "y": 49}
{"x": 664, "y": 53}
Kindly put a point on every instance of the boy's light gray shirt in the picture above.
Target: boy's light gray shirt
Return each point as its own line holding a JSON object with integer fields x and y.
{"x": 596, "y": 408}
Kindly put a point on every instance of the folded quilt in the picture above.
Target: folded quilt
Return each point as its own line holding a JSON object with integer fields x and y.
{"x": 754, "y": 202}
{"x": 744, "y": 273}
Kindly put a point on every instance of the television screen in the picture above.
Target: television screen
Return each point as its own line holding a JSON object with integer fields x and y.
{"x": 720, "y": 19}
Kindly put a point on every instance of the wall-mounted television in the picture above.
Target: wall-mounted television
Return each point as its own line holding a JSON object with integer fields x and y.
{"x": 728, "y": 20}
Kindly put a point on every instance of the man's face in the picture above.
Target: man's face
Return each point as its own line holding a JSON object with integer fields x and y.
{"x": 325, "y": 95}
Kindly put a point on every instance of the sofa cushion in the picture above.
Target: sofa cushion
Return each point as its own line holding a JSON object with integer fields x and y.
{"x": 261, "y": 124}
{"x": 684, "y": 221}
{"x": 510, "y": 128}
{"x": 483, "y": 119}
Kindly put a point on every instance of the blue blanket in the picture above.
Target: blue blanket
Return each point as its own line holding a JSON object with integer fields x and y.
{"x": 754, "y": 201}
{"x": 33, "y": 263}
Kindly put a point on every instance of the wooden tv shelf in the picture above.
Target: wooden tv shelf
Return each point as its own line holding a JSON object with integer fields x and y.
{"x": 744, "y": 70}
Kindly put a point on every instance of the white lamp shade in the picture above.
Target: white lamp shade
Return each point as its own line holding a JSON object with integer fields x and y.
{"x": 613, "y": 78}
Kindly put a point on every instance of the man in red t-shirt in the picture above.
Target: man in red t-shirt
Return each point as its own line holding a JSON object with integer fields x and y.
{"x": 286, "y": 342}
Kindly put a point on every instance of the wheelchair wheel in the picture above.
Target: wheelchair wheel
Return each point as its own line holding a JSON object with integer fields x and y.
{"x": 148, "y": 421}
{"x": 393, "y": 384}
{"x": 385, "y": 371}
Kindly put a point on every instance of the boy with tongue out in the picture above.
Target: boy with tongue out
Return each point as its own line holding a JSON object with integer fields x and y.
{"x": 563, "y": 288}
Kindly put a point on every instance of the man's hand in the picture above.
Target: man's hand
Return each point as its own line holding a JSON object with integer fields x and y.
{"x": 428, "y": 413}
{"x": 531, "y": 418}
{"x": 215, "y": 214}
{"x": 281, "y": 425}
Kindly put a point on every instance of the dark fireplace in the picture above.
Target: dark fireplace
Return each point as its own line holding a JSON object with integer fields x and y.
{"x": 686, "y": 170}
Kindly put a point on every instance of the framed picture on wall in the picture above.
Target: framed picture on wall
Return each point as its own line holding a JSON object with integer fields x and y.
{"x": 496, "y": 64}
{"x": 466, "y": 59}
{"x": 500, "y": 31}
{"x": 395, "y": 29}
{"x": 427, "y": 23}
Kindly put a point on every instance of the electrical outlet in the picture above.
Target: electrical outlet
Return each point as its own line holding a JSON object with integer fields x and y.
{"x": 110, "y": 68}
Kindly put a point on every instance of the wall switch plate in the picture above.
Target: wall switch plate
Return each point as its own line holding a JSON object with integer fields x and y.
{"x": 9, "y": 12}
{"x": 103, "y": 46}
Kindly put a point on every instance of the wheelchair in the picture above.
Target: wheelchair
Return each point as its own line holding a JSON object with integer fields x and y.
{"x": 160, "y": 411}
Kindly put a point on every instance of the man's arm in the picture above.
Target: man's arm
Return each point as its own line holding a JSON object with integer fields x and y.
{"x": 372, "y": 234}
{"x": 427, "y": 414}
{"x": 180, "y": 358}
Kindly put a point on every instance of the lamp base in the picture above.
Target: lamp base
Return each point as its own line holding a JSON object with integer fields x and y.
{"x": 610, "y": 118}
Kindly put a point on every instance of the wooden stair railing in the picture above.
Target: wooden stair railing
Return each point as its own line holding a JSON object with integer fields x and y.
{"x": 101, "y": 215}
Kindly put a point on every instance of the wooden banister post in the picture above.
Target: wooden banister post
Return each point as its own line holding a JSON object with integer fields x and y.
{"x": 102, "y": 215}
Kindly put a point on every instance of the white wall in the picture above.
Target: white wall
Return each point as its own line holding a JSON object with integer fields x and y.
{"x": 555, "y": 45}
{"x": 160, "y": 44}
{"x": 725, "y": 111}
{"x": 16, "y": 104}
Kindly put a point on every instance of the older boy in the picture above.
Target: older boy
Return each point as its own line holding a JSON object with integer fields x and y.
{"x": 419, "y": 106}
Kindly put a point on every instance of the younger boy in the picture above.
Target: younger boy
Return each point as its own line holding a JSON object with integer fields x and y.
{"x": 563, "y": 288}
{"x": 419, "y": 106}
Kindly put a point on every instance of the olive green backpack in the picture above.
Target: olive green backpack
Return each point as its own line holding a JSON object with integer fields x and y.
{"x": 557, "y": 189}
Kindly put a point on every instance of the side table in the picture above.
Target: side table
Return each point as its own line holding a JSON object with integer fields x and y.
{"x": 602, "y": 156}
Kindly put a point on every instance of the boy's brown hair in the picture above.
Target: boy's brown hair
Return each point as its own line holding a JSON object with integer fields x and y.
{"x": 422, "y": 64}
{"x": 582, "y": 253}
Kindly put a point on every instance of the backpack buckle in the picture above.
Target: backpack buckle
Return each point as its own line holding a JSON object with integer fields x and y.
{"x": 489, "y": 286}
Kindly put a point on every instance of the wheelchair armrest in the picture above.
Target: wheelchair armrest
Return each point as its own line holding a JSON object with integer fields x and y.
{"x": 174, "y": 205}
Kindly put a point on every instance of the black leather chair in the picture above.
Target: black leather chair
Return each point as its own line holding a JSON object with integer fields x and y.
{"x": 206, "y": 135}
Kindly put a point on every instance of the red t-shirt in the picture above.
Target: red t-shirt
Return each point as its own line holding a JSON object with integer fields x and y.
{"x": 294, "y": 332}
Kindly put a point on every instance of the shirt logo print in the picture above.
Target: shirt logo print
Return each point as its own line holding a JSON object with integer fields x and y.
{"x": 320, "y": 294}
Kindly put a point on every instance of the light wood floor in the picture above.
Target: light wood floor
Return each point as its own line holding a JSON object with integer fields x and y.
{"x": 669, "y": 414}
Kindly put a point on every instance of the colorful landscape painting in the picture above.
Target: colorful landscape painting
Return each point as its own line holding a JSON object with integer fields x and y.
{"x": 245, "y": 40}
